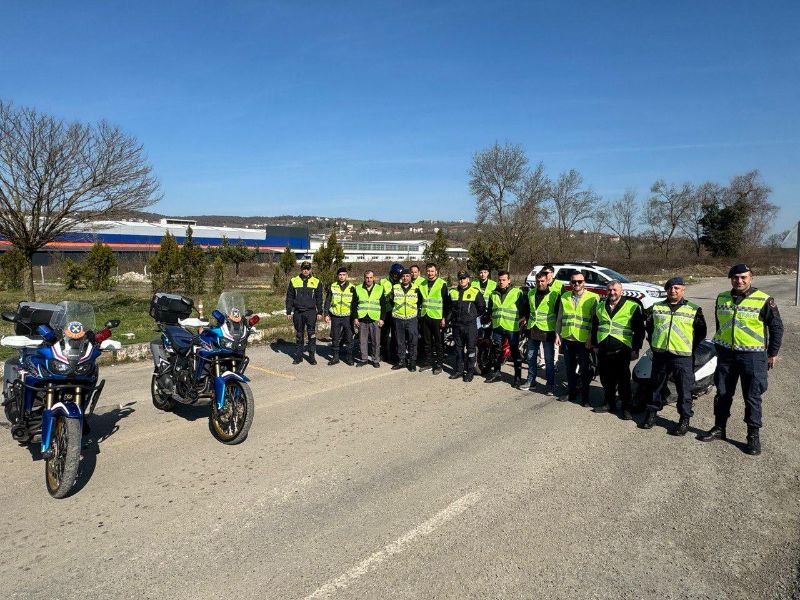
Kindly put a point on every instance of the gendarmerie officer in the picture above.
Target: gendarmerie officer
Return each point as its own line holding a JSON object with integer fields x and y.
{"x": 618, "y": 334}
{"x": 748, "y": 338}
{"x": 304, "y": 309}
{"x": 435, "y": 305}
{"x": 338, "y": 305}
{"x": 466, "y": 306}
{"x": 675, "y": 327}
{"x": 405, "y": 301}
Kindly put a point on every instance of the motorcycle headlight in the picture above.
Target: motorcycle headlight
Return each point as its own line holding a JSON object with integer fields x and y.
{"x": 56, "y": 366}
{"x": 84, "y": 368}
{"x": 225, "y": 343}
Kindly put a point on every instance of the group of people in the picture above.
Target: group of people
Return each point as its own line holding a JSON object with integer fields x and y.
{"x": 397, "y": 312}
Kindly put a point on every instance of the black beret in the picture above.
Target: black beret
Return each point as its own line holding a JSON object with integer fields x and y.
{"x": 305, "y": 265}
{"x": 738, "y": 269}
{"x": 341, "y": 270}
{"x": 406, "y": 272}
{"x": 463, "y": 274}
{"x": 674, "y": 281}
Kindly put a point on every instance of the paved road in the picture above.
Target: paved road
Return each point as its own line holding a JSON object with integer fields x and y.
{"x": 381, "y": 484}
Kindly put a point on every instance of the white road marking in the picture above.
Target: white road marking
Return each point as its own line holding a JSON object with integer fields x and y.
{"x": 397, "y": 546}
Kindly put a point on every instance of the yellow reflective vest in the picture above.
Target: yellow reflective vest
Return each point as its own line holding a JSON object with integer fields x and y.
{"x": 673, "y": 330}
{"x": 740, "y": 325}
{"x": 576, "y": 319}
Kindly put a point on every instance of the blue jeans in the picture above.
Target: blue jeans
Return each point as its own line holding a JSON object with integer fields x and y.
{"x": 549, "y": 361}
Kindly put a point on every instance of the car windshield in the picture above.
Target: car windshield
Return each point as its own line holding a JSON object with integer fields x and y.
{"x": 612, "y": 274}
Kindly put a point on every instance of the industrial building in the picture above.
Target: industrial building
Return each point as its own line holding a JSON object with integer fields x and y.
{"x": 372, "y": 251}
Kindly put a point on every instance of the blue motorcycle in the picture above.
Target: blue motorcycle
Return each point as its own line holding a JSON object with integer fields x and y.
{"x": 209, "y": 364}
{"x": 51, "y": 387}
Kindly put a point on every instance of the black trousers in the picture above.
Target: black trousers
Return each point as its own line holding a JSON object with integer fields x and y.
{"x": 615, "y": 375}
{"x": 682, "y": 367}
{"x": 406, "y": 332}
{"x": 305, "y": 322}
{"x": 341, "y": 335}
{"x": 751, "y": 369}
{"x": 465, "y": 337}
{"x": 576, "y": 357}
{"x": 432, "y": 341}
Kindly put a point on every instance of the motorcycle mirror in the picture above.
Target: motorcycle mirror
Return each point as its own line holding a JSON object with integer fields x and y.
{"x": 253, "y": 320}
{"x": 9, "y": 315}
{"x": 110, "y": 324}
{"x": 248, "y": 313}
{"x": 218, "y": 316}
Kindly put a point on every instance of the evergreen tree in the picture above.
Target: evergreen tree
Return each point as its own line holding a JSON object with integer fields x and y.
{"x": 436, "y": 252}
{"x": 486, "y": 253}
{"x": 237, "y": 253}
{"x": 73, "y": 274}
{"x": 12, "y": 268}
{"x": 165, "y": 265}
{"x": 218, "y": 284}
{"x": 327, "y": 259}
{"x": 724, "y": 228}
{"x": 288, "y": 261}
{"x": 193, "y": 266}
{"x": 100, "y": 262}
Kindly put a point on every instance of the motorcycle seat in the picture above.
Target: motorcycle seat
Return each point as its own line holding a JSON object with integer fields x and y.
{"x": 180, "y": 339}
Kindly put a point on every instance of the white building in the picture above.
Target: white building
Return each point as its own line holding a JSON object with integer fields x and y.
{"x": 405, "y": 251}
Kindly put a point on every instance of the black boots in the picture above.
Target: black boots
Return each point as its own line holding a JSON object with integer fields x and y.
{"x": 348, "y": 360}
{"x": 412, "y": 365}
{"x": 455, "y": 375}
{"x": 467, "y": 376}
{"x": 649, "y": 419}
{"x": 298, "y": 358}
{"x": 681, "y": 428}
{"x": 334, "y": 360}
{"x": 401, "y": 364}
{"x": 717, "y": 432}
{"x": 493, "y": 376}
{"x": 753, "y": 441}
{"x": 311, "y": 358}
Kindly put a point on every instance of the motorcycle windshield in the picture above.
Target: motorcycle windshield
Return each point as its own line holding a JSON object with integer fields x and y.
{"x": 74, "y": 320}
{"x": 231, "y": 304}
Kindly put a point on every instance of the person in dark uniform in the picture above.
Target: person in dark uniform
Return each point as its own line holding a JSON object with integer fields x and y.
{"x": 466, "y": 306}
{"x": 675, "y": 327}
{"x": 435, "y": 305}
{"x": 388, "y": 340}
{"x": 304, "y": 309}
{"x": 618, "y": 334}
{"x": 338, "y": 303}
{"x": 748, "y": 338}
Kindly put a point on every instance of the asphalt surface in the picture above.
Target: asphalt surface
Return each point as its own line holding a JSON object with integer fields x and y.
{"x": 372, "y": 483}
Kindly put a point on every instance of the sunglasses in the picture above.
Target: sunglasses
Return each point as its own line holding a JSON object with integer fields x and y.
{"x": 576, "y": 281}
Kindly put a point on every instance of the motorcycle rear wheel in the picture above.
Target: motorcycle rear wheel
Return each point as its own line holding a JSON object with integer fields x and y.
{"x": 161, "y": 400}
{"x": 232, "y": 424}
{"x": 61, "y": 470}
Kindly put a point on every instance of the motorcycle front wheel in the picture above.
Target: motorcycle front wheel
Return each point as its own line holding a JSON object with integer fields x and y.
{"x": 161, "y": 400}
{"x": 61, "y": 470}
{"x": 231, "y": 424}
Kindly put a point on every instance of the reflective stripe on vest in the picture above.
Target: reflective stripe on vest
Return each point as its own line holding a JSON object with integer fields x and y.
{"x": 432, "y": 302}
{"x": 544, "y": 315}
{"x": 505, "y": 314}
{"x": 470, "y": 294}
{"x": 618, "y": 326}
{"x": 341, "y": 299}
{"x": 740, "y": 326}
{"x": 576, "y": 321}
{"x": 491, "y": 285}
{"x": 369, "y": 304}
{"x": 297, "y": 282}
{"x": 404, "y": 303}
{"x": 673, "y": 331}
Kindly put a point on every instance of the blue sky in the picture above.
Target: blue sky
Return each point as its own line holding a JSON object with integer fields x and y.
{"x": 374, "y": 109}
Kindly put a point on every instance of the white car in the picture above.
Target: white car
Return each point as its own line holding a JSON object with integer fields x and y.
{"x": 597, "y": 277}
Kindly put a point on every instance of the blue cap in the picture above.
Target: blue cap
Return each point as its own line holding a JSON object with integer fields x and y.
{"x": 739, "y": 269}
{"x": 674, "y": 281}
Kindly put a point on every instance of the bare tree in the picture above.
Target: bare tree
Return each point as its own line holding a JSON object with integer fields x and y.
{"x": 622, "y": 218}
{"x": 597, "y": 222}
{"x": 751, "y": 190}
{"x": 571, "y": 205}
{"x": 57, "y": 177}
{"x": 705, "y": 194}
{"x": 508, "y": 196}
{"x": 665, "y": 211}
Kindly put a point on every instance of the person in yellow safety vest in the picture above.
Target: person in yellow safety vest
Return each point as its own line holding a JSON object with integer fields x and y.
{"x": 304, "y": 309}
{"x": 555, "y": 284}
{"x": 543, "y": 307}
{"x": 675, "y": 327}
{"x": 509, "y": 308}
{"x": 368, "y": 311}
{"x": 435, "y": 305}
{"x": 388, "y": 342}
{"x": 414, "y": 275}
{"x": 574, "y": 327}
{"x": 618, "y": 334}
{"x": 484, "y": 284}
{"x": 405, "y": 302}
{"x": 338, "y": 306}
{"x": 748, "y": 338}
{"x": 466, "y": 306}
